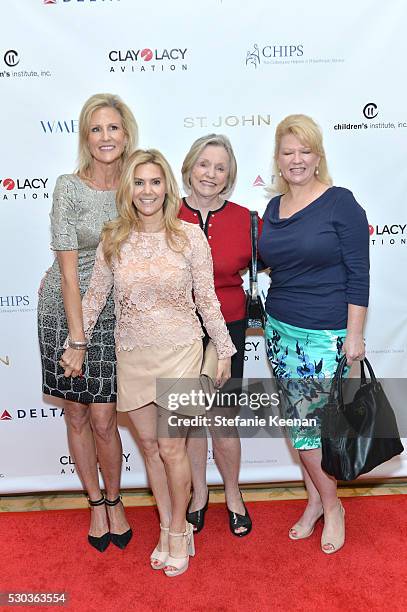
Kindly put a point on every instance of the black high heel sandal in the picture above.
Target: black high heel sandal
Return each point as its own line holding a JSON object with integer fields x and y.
{"x": 102, "y": 542}
{"x": 240, "y": 520}
{"x": 119, "y": 539}
{"x": 197, "y": 518}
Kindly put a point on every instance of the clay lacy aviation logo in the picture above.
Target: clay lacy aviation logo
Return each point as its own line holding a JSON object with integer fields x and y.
{"x": 23, "y": 188}
{"x": 148, "y": 60}
{"x": 68, "y": 464}
{"x": 390, "y": 234}
{"x": 11, "y": 59}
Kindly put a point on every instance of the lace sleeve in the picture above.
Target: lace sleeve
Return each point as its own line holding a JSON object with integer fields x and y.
{"x": 64, "y": 217}
{"x": 100, "y": 285}
{"x": 205, "y": 297}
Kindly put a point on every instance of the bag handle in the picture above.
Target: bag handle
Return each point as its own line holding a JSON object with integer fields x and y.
{"x": 338, "y": 377}
{"x": 254, "y": 233}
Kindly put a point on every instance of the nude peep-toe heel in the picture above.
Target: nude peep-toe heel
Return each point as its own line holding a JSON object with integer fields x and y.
{"x": 175, "y": 566}
{"x": 299, "y": 533}
{"x": 160, "y": 556}
{"x": 334, "y": 543}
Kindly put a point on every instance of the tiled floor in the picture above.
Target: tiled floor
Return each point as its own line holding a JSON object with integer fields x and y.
{"x": 58, "y": 501}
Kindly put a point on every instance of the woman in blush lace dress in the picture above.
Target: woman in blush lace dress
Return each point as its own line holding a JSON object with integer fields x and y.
{"x": 155, "y": 261}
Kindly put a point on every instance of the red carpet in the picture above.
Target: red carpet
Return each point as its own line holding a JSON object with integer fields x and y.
{"x": 48, "y": 551}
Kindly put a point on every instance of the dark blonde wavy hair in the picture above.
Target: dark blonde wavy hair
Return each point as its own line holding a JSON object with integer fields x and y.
{"x": 116, "y": 232}
{"x": 129, "y": 124}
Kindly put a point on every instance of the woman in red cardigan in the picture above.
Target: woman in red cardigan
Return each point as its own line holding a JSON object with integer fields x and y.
{"x": 209, "y": 173}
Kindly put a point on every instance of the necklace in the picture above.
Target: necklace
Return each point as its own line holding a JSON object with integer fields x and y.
{"x": 97, "y": 185}
{"x": 206, "y": 210}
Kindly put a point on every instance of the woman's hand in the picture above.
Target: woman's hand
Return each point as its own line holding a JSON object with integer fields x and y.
{"x": 353, "y": 348}
{"x": 223, "y": 372}
{"x": 72, "y": 362}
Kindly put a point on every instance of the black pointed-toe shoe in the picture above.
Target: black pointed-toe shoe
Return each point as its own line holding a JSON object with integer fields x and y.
{"x": 119, "y": 539}
{"x": 102, "y": 542}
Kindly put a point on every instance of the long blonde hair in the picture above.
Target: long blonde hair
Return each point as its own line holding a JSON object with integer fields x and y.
{"x": 96, "y": 102}
{"x": 116, "y": 232}
{"x": 307, "y": 132}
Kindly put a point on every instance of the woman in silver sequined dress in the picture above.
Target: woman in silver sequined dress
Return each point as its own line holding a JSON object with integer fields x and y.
{"x": 82, "y": 203}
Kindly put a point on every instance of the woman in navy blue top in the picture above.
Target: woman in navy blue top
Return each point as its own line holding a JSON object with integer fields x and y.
{"x": 315, "y": 240}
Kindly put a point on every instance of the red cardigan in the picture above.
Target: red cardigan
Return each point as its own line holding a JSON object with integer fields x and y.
{"x": 228, "y": 232}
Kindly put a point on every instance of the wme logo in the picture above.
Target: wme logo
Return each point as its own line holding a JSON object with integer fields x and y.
{"x": 66, "y": 126}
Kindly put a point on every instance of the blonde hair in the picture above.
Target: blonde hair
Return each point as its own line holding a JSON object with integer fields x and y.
{"x": 216, "y": 140}
{"x": 116, "y": 232}
{"x": 96, "y": 102}
{"x": 309, "y": 134}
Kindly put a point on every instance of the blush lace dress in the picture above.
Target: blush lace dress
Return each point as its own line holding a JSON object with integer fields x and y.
{"x": 156, "y": 293}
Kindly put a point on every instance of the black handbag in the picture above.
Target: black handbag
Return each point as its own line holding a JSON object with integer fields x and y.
{"x": 255, "y": 312}
{"x": 359, "y": 435}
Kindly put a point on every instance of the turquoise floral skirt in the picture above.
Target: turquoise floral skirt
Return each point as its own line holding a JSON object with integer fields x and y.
{"x": 304, "y": 362}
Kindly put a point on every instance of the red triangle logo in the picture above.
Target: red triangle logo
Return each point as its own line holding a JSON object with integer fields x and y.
{"x": 6, "y": 416}
{"x": 259, "y": 182}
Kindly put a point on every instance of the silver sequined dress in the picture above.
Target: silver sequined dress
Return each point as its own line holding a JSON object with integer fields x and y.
{"x": 77, "y": 218}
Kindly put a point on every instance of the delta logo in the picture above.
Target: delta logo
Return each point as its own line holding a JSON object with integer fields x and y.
{"x": 388, "y": 234}
{"x": 258, "y": 182}
{"x": 148, "y": 60}
{"x": 20, "y": 188}
{"x": 33, "y": 413}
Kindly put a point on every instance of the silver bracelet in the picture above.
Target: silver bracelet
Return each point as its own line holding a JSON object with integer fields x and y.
{"x": 78, "y": 345}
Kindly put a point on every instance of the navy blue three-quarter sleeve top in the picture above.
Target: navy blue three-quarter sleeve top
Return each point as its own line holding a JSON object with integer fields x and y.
{"x": 319, "y": 260}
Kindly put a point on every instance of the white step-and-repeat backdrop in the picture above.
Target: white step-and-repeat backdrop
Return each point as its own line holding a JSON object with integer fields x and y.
{"x": 187, "y": 69}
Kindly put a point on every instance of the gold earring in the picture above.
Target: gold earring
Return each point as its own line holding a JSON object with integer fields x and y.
{"x": 316, "y": 170}
{"x": 280, "y": 173}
